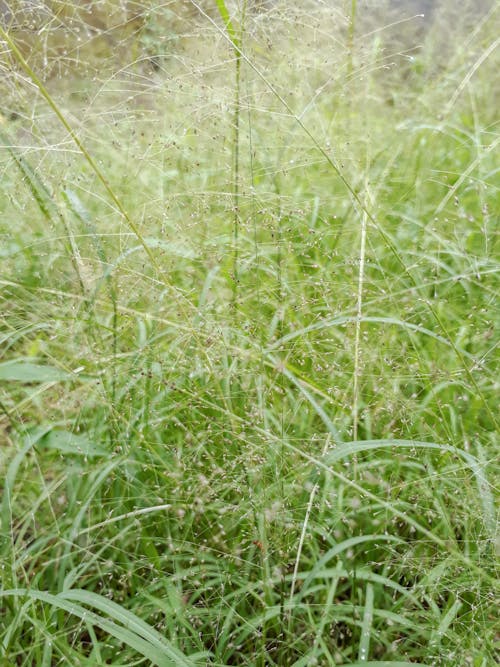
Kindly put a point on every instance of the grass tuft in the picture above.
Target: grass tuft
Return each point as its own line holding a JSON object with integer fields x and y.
{"x": 249, "y": 335}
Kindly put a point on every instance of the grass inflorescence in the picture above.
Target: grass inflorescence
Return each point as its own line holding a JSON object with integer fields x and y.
{"x": 249, "y": 360}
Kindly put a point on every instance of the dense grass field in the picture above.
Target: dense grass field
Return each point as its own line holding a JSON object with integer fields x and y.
{"x": 249, "y": 334}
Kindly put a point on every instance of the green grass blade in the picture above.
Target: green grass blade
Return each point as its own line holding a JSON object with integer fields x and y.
{"x": 366, "y": 628}
{"x": 224, "y": 14}
{"x": 131, "y": 621}
{"x": 135, "y": 633}
{"x": 18, "y": 370}
{"x": 324, "y": 324}
{"x": 484, "y": 488}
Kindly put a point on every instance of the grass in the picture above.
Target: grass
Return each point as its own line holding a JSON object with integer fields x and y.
{"x": 249, "y": 272}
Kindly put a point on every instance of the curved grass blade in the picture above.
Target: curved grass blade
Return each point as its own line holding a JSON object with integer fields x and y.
{"x": 10, "y": 478}
{"x": 351, "y": 448}
{"x": 130, "y": 620}
{"x": 224, "y": 14}
{"x": 344, "y": 546}
{"x": 18, "y": 370}
{"x": 366, "y": 319}
{"x": 135, "y": 633}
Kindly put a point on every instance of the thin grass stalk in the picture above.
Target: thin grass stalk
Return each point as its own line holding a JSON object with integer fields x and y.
{"x": 282, "y": 387}
{"x": 235, "y": 38}
{"x": 357, "y": 338}
{"x": 350, "y": 38}
{"x": 303, "y": 532}
{"x": 259, "y": 524}
{"x": 236, "y": 173}
{"x": 79, "y": 211}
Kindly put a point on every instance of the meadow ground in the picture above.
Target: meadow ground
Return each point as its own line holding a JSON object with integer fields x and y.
{"x": 249, "y": 335}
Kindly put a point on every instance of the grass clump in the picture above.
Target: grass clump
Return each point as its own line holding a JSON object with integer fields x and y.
{"x": 249, "y": 338}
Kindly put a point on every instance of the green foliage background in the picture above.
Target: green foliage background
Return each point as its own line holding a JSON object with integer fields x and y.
{"x": 249, "y": 372}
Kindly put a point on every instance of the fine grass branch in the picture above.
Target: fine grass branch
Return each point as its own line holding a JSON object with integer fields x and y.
{"x": 359, "y": 204}
{"x": 78, "y": 142}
